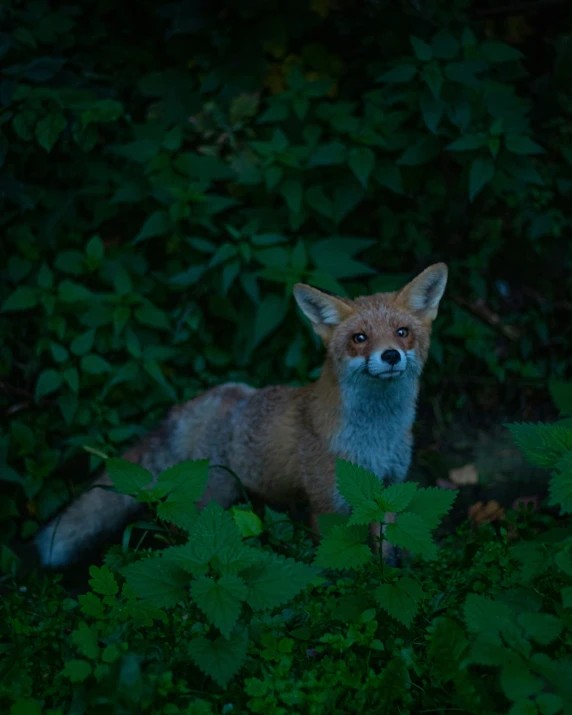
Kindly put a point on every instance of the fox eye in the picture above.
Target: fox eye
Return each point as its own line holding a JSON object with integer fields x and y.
{"x": 359, "y": 338}
{"x": 403, "y": 332}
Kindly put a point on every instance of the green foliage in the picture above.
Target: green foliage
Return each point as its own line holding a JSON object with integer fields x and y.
{"x": 166, "y": 179}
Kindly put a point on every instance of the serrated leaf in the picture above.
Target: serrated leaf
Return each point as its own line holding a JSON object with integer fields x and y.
{"x": 396, "y": 497}
{"x": 77, "y": 670}
{"x": 222, "y": 658}
{"x": 487, "y": 619}
{"x": 343, "y": 548}
{"x": 518, "y": 682}
{"x": 432, "y": 504}
{"x": 185, "y": 481}
{"x": 91, "y": 605}
{"x": 103, "y": 581}
{"x": 362, "y": 163}
{"x": 220, "y": 600}
{"x": 127, "y": 477}
{"x": 412, "y": 533}
{"x": 357, "y": 485}
{"x": 560, "y": 487}
{"x": 157, "y": 580}
{"x": 275, "y": 580}
{"x": 248, "y": 523}
{"x": 401, "y": 600}
{"x": 85, "y": 638}
{"x": 542, "y": 627}
{"x": 542, "y": 445}
{"x": 447, "y": 645}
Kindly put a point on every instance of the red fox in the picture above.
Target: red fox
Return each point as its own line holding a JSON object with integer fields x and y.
{"x": 282, "y": 442}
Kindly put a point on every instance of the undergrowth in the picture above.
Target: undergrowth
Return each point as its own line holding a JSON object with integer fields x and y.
{"x": 238, "y": 614}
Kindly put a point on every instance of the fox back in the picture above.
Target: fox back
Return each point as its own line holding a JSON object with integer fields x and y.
{"x": 282, "y": 442}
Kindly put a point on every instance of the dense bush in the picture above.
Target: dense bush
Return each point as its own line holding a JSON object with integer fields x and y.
{"x": 482, "y": 625}
{"x": 168, "y": 174}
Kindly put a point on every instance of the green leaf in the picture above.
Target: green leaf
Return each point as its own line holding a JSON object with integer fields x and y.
{"x": 49, "y": 129}
{"x": 157, "y": 224}
{"x": 560, "y": 487}
{"x": 360, "y": 489}
{"x": 402, "y": 73}
{"x": 183, "y": 484}
{"x": 397, "y": 497}
{"x": 127, "y": 477}
{"x": 85, "y": 638}
{"x": 561, "y": 393}
{"x": 432, "y": 504}
{"x": 91, "y": 605}
{"x": 343, "y": 548}
{"x": 494, "y": 51}
{"x": 291, "y": 190}
{"x": 542, "y": 627}
{"x": 422, "y": 151}
{"x": 95, "y": 364}
{"x": 480, "y": 173}
{"x": 362, "y": 162}
{"x": 566, "y": 594}
{"x": 26, "y": 706}
{"x": 390, "y": 177}
{"x": 522, "y": 145}
{"x": 220, "y": 659}
{"x": 157, "y": 580}
{"x": 220, "y": 600}
{"x": 542, "y": 445}
{"x": 412, "y": 533}
{"x": 77, "y": 670}
{"x": 248, "y": 522}
{"x": 70, "y": 292}
{"x": 421, "y": 49}
{"x": 401, "y": 600}
{"x": 103, "y": 581}
{"x": 275, "y": 580}
{"x": 23, "y": 298}
{"x": 316, "y": 198}
{"x": 431, "y": 110}
{"x": 148, "y": 314}
{"x": 487, "y": 619}
{"x": 48, "y": 381}
{"x": 269, "y": 314}
{"x": 518, "y": 682}
{"x": 470, "y": 142}
{"x": 332, "y": 154}
{"x": 83, "y": 343}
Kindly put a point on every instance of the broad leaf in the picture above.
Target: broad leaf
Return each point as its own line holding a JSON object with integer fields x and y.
{"x": 220, "y": 600}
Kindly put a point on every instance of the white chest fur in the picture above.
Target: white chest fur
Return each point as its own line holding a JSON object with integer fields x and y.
{"x": 375, "y": 425}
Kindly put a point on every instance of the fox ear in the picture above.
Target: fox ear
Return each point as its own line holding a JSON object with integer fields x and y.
{"x": 323, "y": 310}
{"x": 422, "y": 294}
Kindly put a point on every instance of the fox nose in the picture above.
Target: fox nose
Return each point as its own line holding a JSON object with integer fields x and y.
{"x": 391, "y": 356}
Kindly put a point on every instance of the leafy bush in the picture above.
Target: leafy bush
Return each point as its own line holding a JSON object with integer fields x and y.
{"x": 159, "y": 205}
{"x": 483, "y": 624}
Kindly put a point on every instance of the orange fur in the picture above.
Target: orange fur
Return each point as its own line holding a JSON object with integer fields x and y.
{"x": 283, "y": 441}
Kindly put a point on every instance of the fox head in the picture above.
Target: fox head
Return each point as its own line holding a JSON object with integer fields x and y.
{"x": 381, "y": 336}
